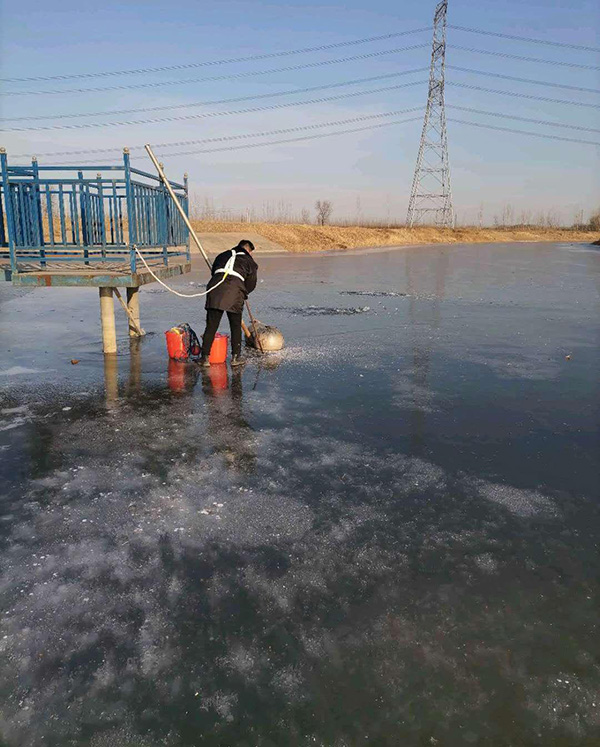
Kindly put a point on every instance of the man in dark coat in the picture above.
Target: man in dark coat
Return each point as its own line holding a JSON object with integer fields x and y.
{"x": 233, "y": 279}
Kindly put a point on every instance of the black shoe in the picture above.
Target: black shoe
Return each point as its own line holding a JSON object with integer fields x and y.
{"x": 203, "y": 362}
{"x": 237, "y": 360}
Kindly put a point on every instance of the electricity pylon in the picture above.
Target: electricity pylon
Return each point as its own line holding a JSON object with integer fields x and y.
{"x": 431, "y": 196}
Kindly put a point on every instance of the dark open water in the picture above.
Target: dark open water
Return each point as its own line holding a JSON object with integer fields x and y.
{"x": 387, "y": 535}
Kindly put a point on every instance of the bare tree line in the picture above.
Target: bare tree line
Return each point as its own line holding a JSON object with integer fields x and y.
{"x": 283, "y": 212}
{"x": 509, "y": 218}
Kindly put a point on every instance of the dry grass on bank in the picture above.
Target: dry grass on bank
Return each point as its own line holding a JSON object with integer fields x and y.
{"x": 306, "y": 238}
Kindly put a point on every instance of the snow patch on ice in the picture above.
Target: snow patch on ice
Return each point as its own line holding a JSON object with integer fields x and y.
{"x": 19, "y": 371}
{"x": 521, "y": 502}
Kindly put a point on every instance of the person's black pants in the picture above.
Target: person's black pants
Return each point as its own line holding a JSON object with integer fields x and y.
{"x": 213, "y": 319}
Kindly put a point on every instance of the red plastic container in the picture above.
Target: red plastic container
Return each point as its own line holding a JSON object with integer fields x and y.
{"x": 182, "y": 342}
{"x": 176, "y": 344}
{"x": 218, "y": 351}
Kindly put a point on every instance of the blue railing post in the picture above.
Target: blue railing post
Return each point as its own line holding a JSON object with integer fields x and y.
{"x": 3, "y": 239}
{"x": 36, "y": 203}
{"x": 10, "y": 216}
{"x": 186, "y": 207}
{"x": 85, "y": 215}
{"x": 165, "y": 204}
{"x": 130, "y": 210}
{"x": 101, "y": 216}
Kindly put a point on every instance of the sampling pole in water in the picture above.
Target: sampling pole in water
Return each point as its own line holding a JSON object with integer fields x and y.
{"x": 182, "y": 212}
{"x": 257, "y": 339}
{"x": 186, "y": 220}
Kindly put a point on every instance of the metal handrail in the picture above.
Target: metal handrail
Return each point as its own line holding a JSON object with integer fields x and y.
{"x": 75, "y": 217}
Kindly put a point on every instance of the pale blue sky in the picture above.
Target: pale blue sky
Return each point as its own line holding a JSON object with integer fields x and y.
{"x": 40, "y": 39}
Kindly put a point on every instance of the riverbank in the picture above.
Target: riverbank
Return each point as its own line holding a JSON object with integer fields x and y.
{"x": 308, "y": 238}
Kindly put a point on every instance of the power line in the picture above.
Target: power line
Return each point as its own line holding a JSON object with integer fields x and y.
{"x": 373, "y": 127}
{"x": 232, "y": 76}
{"x": 546, "y": 122}
{"x": 210, "y": 115}
{"x": 352, "y": 130}
{"x": 212, "y": 63}
{"x": 233, "y": 100}
{"x": 517, "y": 94}
{"x": 300, "y": 128}
{"x": 224, "y": 138}
{"x": 361, "y": 118}
{"x": 287, "y": 53}
{"x": 182, "y": 143}
{"x": 297, "y": 139}
{"x": 508, "y": 56}
{"x": 525, "y": 132}
{"x": 291, "y": 92}
{"x": 521, "y": 80}
{"x": 287, "y": 130}
{"x": 529, "y": 39}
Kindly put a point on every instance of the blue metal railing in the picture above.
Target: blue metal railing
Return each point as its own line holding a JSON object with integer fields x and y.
{"x": 60, "y": 214}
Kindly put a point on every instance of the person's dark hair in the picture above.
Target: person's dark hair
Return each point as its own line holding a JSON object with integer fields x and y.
{"x": 246, "y": 244}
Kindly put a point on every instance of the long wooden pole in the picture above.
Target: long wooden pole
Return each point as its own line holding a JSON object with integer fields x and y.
{"x": 253, "y": 321}
{"x": 186, "y": 220}
{"x": 182, "y": 212}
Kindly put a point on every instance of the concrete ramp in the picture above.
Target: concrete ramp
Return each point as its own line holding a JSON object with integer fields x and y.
{"x": 214, "y": 243}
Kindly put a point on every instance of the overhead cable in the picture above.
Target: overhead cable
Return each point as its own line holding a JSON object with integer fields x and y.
{"x": 288, "y": 130}
{"x": 231, "y": 76}
{"x": 261, "y": 96}
{"x": 532, "y": 120}
{"x": 286, "y": 53}
{"x": 547, "y": 42}
{"x": 300, "y": 128}
{"x": 520, "y": 95}
{"x": 525, "y": 132}
{"x": 212, "y": 63}
{"x": 373, "y": 127}
{"x": 210, "y": 115}
{"x": 224, "y": 138}
{"x": 508, "y": 56}
{"x": 234, "y": 100}
{"x": 295, "y": 139}
{"x": 353, "y": 120}
{"x": 522, "y": 80}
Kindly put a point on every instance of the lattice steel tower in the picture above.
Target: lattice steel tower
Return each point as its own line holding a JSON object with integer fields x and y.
{"x": 431, "y": 196}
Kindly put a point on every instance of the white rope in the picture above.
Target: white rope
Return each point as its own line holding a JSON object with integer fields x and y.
{"x": 177, "y": 293}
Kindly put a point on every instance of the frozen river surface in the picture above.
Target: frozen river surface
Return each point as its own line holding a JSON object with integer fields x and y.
{"x": 386, "y": 535}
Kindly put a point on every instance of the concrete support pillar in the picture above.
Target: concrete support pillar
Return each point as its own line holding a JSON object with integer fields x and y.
{"x": 133, "y": 304}
{"x": 107, "y": 318}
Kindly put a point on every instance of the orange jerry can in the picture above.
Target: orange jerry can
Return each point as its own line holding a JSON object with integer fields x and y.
{"x": 218, "y": 351}
{"x": 182, "y": 342}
